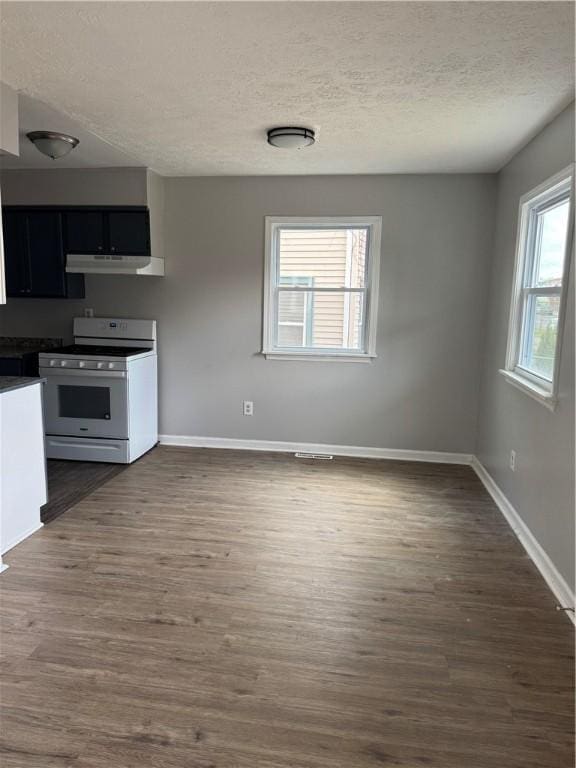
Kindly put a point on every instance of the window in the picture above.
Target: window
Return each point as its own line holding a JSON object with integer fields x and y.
{"x": 320, "y": 300}
{"x": 540, "y": 281}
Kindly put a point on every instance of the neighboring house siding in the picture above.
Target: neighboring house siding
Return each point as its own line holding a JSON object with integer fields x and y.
{"x": 330, "y": 259}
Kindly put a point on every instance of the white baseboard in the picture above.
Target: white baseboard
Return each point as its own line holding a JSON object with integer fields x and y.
{"x": 541, "y": 560}
{"x": 20, "y": 538}
{"x": 438, "y": 457}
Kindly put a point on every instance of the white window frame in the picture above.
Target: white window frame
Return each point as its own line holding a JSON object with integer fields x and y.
{"x": 273, "y": 224}
{"x": 538, "y": 387}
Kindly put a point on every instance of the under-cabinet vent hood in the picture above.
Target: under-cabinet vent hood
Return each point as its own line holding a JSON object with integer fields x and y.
{"x": 104, "y": 264}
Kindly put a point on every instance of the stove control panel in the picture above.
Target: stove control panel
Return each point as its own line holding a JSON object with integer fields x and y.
{"x": 115, "y": 328}
{"x": 88, "y": 365}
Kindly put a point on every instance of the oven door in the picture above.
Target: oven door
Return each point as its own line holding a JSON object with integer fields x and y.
{"x": 86, "y": 403}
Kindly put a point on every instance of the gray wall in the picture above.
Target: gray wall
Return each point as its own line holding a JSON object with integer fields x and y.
{"x": 74, "y": 186}
{"x": 9, "y": 139}
{"x": 422, "y": 391}
{"x": 542, "y": 487}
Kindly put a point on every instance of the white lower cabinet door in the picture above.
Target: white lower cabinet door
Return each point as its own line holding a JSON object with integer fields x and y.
{"x": 23, "y": 488}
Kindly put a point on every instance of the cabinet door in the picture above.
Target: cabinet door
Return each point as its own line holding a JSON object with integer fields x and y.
{"x": 23, "y": 464}
{"x": 15, "y": 253}
{"x": 11, "y": 366}
{"x": 129, "y": 232}
{"x": 2, "y": 276}
{"x": 84, "y": 232}
{"x": 45, "y": 253}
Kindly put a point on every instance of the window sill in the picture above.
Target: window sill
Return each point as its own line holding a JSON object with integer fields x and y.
{"x": 533, "y": 390}
{"x": 320, "y": 357}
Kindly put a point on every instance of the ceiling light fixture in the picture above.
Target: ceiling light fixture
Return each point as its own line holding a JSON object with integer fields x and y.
{"x": 291, "y": 138}
{"x": 54, "y": 145}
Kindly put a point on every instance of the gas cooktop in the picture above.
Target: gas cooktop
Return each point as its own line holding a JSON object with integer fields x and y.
{"x": 94, "y": 350}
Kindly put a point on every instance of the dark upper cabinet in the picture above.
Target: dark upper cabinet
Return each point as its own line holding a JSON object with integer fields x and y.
{"x": 37, "y": 240}
{"x": 46, "y": 266}
{"x": 128, "y": 232}
{"x": 84, "y": 232}
{"x": 15, "y": 262}
{"x": 114, "y": 231}
{"x": 34, "y": 255}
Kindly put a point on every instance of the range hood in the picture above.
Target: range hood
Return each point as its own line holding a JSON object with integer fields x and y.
{"x": 112, "y": 264}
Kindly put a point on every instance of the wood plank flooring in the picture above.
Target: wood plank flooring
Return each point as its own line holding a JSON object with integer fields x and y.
{"x": 71, "y": 481}
{"x": 220, "y": 609}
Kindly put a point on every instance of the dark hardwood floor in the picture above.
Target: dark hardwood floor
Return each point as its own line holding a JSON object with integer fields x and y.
{"x": 71, "y": 481}
{"x": 220, "y": 609}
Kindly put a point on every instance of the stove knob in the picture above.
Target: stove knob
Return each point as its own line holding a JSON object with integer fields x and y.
{"x": 63, "y": 363}
{"x": 81, "y": 364}
{"x": 100, "y": 365}
{"x": 111, "y": 365}
{"x": 53, "y": 363}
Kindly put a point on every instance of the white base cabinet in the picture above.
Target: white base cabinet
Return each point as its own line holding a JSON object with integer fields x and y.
{"x": 23, "y": 487}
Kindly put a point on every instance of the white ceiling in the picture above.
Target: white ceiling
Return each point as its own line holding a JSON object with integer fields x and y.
{"x": 390, "y": 87}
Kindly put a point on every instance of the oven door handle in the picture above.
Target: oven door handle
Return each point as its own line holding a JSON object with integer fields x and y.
{"x": 52, "y": 373}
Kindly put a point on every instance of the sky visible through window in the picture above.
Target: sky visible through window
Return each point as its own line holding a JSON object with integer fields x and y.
{"x": 542, "y": 312}
{"x": 554, "y": 226}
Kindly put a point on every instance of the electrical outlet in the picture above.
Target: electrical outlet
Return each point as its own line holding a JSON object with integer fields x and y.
{"x": 512, "y": 461}
{"x": 88, "y": 312}
{"x": 248, "y": 408}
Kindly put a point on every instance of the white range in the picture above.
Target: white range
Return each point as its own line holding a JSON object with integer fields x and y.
{"x": 101, "y": 393}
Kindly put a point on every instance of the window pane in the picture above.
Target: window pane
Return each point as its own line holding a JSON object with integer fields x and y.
{"x": 540, "y": 331}
{"x": 314, "y": 320}
{"x": 328, "y": 258}
{"x": 291, "y": 307}
{"x": 355, "y": 322}
{"x": 290, "y": 335}
{"x": 551, "y": 232}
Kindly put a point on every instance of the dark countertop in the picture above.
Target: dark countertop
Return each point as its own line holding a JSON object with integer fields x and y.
{"x": 9, "y": 383}
{"x": 14, "y": 347}
{"x": 14, "y": 351}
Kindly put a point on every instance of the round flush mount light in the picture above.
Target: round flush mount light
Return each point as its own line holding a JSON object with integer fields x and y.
{"x": 54, "y": 145}
{"x": 291, "y": 138}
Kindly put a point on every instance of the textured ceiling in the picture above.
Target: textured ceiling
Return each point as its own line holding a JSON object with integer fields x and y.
{"x": 390, "y": 87}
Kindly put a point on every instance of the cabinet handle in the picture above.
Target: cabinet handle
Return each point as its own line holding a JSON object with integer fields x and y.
{"x": 99, "y": 247}
{"x": 112, "y": 248}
